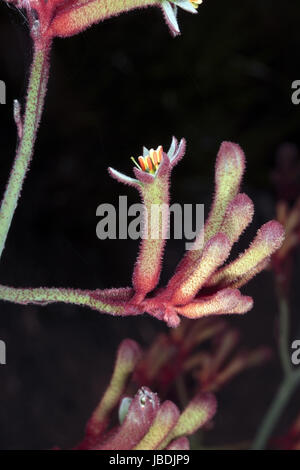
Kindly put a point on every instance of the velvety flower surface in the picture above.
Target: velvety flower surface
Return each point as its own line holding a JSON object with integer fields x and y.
{"x": 153, "y": 186}
{"x": 202, "y": 284}
{"x": 144, "y": 422}
{"x": 51, "y": 18}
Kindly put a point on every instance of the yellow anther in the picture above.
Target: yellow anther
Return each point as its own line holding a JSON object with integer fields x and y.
{"x": 150, "y": 163}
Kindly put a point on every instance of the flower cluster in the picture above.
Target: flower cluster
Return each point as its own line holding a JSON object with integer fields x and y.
{"x": 201, "y": 285}
{"x": 209, "y": 349}
{"x": 144, "y": 422}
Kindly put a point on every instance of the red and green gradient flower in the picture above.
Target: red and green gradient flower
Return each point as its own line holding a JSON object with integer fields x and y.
{"x": 144, "y": 422}
{"x": 51, "y": 18}
{"x": 152, "y": 181}
{"x": 48, "y": 19}
{"x": 204, "y": 283}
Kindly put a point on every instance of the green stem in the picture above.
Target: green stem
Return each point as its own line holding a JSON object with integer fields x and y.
{"x": 285, "y": 391}
{"x": 45, "y": 295}
{"x": 34, "y": 104}
{"x": 289, "y": 383}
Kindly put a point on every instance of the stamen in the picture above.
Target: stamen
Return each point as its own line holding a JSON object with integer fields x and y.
{"x": 159, "y": 153}
{"x": 136, "y": 163}
{"x": 150, "y": 163}
{"x": 155, "y": 159}
{"x": 142, "y": 163}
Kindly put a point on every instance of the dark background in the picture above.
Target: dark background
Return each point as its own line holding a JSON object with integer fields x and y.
{"x": 120, "y": 85}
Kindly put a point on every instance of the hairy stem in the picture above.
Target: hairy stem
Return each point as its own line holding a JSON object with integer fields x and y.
{"x": 33, "y": 110}
{"x": 285, "y": 391}
{"x": 290, "y": 381}
{"x": 46, "y": 295}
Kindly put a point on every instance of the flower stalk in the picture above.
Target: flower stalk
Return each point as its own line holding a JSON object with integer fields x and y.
{"x": 289, "y": 384}
{"x": 201, "y": 285}
{"x": 282, "y": 264}
{"x": 144, "y": 422}
{"x": 105, "y": 300}
{"x": 27, "y": 129}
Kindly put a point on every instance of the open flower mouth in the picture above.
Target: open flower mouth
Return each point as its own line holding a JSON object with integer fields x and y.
{"x": 151, "y": 161}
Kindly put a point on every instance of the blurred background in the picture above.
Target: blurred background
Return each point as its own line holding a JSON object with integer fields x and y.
{"x": 118, "y": 86}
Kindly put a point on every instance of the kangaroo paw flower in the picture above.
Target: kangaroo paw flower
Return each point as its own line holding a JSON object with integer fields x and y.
{"x": 214, "y": 254}
{"x": 229, "y": 170}
{"x": 128, "y": 356}
{"x": 51, "y": 18}
{"x": 146, "y": 424}
{"x": 269, "y": 239}
{"x": 165, "y": 420}
{"x": 197, "y": 414}
{"x": 152, "y": 173}
{"x": 141, "y": 414}
{"x": 201, "y": 285}
{"x": 224, "y": 301}
{"x": 238, "y": 216}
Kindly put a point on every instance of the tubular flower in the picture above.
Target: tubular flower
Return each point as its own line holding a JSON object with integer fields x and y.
{"x": 145, "y": 423}
{"x": 51, "y": 18}
{"x": 181, "y": 352}
{"x": 202, "y": 284}
{"x": 152, "y": 182}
